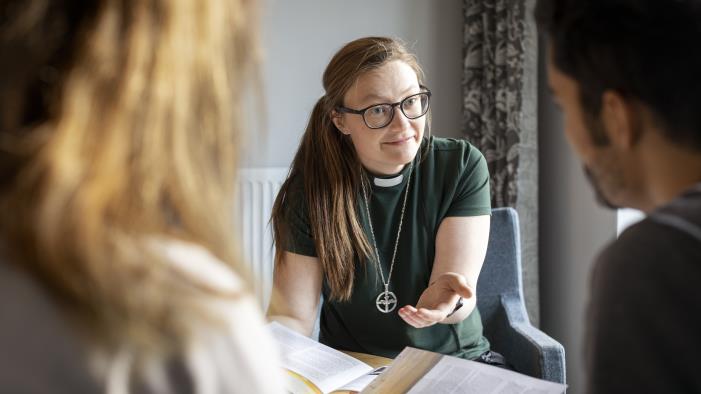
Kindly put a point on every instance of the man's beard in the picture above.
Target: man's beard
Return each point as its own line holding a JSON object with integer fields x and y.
{"x": 599, "y": 194}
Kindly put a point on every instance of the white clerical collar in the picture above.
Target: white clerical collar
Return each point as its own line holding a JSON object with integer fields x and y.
{"x": 388, "y": 182}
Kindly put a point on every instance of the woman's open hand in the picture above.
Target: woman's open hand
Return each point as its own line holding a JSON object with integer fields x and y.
{"x": 437, "y": 301}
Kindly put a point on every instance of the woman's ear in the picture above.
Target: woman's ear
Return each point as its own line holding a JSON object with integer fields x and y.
{"x": 337, "y": 120}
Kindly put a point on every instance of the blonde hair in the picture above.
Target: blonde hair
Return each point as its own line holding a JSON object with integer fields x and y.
{"x": 332, "y": 172}
{"x": 123, "y": 127}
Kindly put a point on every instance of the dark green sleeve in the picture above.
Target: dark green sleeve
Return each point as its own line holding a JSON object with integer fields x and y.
{"x": 472, "y": 193}
{"x": 298, "y": 238}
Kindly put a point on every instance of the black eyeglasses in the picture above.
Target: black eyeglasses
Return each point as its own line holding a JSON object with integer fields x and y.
{"x": 378, "y": 116}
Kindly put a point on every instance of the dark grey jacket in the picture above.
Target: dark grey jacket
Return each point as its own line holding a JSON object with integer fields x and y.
{"x": 39, "y": 351}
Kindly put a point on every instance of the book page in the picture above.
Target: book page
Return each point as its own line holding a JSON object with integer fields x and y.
{"x": 363, "y": 381}
{"x": 326, "y": 368}
{"x": 455, "y": 375}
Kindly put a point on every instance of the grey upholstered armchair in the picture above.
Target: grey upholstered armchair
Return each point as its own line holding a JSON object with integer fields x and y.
{"x": 501, "y": 304}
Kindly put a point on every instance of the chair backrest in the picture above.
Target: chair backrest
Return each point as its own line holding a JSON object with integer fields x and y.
{"x": 501, "y": 271}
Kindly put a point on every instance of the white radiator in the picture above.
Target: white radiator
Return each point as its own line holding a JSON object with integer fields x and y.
{"x": 257, "y": 189}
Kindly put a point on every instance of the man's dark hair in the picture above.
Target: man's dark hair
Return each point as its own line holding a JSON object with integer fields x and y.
{"x": 646, "y": 50}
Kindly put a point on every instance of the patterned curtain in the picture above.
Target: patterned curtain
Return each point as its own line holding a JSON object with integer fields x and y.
{"x": 500, "y": 114}
{"x": 492, "y": 85}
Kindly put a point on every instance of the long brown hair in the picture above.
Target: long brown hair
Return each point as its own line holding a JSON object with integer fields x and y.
{"x": 331, "y": 170}
{"x": 118, "y": 125}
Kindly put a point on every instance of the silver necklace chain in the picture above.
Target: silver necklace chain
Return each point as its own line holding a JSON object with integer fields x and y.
{"x": 387, "y": 301}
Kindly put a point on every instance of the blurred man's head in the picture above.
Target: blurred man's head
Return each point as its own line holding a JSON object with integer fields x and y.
{"x": 625, "y": 73}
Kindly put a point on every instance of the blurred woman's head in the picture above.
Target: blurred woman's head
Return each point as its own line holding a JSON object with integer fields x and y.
{"x": 116, "y": 127}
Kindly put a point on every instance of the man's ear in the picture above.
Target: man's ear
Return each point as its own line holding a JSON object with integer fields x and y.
{"x": 621, "y": 118}
{"x": 337, "y": 120}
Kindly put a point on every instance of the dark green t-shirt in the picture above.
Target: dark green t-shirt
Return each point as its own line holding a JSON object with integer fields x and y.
{"x": 451, "y": 180}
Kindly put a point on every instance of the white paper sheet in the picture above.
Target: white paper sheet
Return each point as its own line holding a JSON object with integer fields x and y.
{"x": 363, "y": 381}
{"x": 327, "y": 368}
{"x": 454, "y": 375}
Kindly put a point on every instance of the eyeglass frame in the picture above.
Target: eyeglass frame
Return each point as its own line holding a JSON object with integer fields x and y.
{"x": 361, "y": 112}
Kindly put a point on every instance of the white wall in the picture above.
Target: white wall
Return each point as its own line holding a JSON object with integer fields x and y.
{"x": 573, "y": 229}
{"x": 301, "y": 36}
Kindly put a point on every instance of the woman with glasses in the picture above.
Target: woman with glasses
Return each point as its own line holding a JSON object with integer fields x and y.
{"x": 387, "y": 223}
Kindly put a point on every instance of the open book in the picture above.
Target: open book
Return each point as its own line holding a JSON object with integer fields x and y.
{"x": 316, "y": 368}
{"x": 417, "y": 371}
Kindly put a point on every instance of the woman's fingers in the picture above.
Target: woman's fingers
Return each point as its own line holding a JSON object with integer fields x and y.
{"x": 459, "y": 285}
{"x": 408, "y": 313}
{"x": 408, "y": 308}
{"x": 431, "y": 315}
{"x": 411, "y": 319}
{"x": 464, "y": 291}
{"x": 420, "y": 318}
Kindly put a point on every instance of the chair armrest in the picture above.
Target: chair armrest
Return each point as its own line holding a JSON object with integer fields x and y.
{"x": 528, "y": 349}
